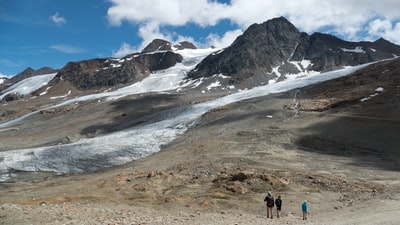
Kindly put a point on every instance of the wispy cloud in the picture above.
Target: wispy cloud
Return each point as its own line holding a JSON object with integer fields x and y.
{"x": 10, "y": 63}
{"x": 58, "y": 19}
{"x": 68, "y": 49}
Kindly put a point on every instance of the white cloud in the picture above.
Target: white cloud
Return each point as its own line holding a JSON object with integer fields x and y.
{"x": 172, "y": 12}
{"x": 350, "y": 19}
{"x": 67, "y": 49}
{"x": 57, "y": 19}
{"x": 223, "y": 41}
{"x": 384, "y": 28}
{"x": 124, "y": 50}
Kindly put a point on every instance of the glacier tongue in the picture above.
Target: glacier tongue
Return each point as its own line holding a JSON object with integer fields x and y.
{"x": 140, "y": 141}
{"x": 28, "y": 85}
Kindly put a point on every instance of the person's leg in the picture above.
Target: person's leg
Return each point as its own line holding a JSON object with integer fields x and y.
{"x": 304, "y": 215}
{"x": 267, "y": 212}
{"x": 270, "y": 208}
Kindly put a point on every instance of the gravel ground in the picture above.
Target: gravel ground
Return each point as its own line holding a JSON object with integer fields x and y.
{"x": 384, "y": 212}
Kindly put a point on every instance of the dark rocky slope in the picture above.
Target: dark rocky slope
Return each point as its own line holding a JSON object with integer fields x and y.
{"x": 101, "y": 73}
{"x": 279, "y": 44}
{"x": 109, "y": 72}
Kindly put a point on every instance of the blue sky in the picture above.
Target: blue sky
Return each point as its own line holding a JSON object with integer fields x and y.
{"x": 38, "y": 33}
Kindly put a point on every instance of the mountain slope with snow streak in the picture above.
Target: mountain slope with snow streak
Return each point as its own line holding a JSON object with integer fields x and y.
{"x": 135, "y": 142}
{"x": 28, "y": 85}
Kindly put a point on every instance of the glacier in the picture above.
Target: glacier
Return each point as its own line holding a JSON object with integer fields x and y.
{"x": 140, "y": 141}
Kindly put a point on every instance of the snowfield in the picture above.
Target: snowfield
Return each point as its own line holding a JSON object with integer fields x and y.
{"x": 140, "y": 141}
{"x": 28, "y": 85}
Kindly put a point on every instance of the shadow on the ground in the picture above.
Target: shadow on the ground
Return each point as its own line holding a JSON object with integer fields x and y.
{"x": 134, "y": 111}
{"x": 367, "y": 141}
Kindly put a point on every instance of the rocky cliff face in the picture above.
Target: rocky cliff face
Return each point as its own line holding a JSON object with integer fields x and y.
{"x": 97, "y": 73}
{"x": 327, "y": 52}
{"x": 275, "y": 48}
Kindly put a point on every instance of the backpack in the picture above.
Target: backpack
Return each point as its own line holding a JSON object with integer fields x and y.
{"x": 270, "y": 201}
{"x": 278, "y": 202}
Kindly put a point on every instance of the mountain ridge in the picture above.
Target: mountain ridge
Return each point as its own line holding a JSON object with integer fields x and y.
{"x": 264, "y": 53}
{"x": 28, "y": 72}
{"x": 276, "y": 47}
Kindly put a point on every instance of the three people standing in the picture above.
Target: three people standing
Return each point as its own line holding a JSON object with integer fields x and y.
{"x": 270, "y": 203}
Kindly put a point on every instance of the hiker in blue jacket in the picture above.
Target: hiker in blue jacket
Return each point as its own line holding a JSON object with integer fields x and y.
{"x": 304, "y": 208}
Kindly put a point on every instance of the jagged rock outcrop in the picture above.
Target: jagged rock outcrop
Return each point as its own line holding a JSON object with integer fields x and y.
{"x": 275, "y": 48}
{"x": 29, "y": 72}
{"x": 95, "y": 73}
{"x": 185, "y": 45}
{"x": 163, "y": 45}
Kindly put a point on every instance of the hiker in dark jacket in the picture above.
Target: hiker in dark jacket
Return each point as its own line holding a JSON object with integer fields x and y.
{"x": 269, "y": 200}
{"x": 278, "y": 203}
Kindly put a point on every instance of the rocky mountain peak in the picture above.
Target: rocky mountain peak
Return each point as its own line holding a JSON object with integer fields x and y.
{"x": 272, "y": 29}
{"x": 157, "y": 45}
{"x": 163, "y": 45}
{"x": 384, "y": 44}
{"x": 28, "y": 72}
{"x": 185, "y": 45}
{"x": 276, "y": 48}
{"x": 260, "y": 48}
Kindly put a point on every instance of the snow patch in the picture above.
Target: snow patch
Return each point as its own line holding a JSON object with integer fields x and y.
{"x": 214, "y": 85}
{"x": 45, "y": 92}
{"x": 275, "y": 71}
{"x": 218, "y": 52}
{"x": 114, "y": 65}
{"x": 62, "y": 96}
{"x": 357, "y": 49}
{"x": 377, "y": 92}
{"x": 223, "y": 76}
